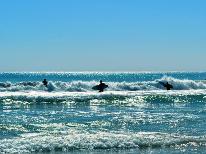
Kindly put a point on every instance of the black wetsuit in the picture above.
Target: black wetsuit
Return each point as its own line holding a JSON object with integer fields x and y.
{"x": 101, "y": 87}
{"x": 168, "y": 86}
{"x": 45, "y": 82}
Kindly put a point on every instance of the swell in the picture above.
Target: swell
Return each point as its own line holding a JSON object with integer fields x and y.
{"x": 85, "y": 86}
{"x": 106, "y": 98}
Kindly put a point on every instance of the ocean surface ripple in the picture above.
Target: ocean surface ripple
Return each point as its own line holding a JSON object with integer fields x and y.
{"x": 135, "y": 114}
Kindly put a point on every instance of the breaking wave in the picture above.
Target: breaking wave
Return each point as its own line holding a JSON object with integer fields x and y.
{"x": 84, "y": 86}
{"x": 64, "y": 142}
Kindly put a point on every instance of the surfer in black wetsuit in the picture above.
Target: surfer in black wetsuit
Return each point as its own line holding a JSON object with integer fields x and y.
{"x": 45, "y": 82}
{"x": 168, "y": 86}
{"x": 101, "y": 86}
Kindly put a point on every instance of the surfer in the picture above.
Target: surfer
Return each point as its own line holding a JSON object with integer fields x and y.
{"x": 168, "y": 86}
{"x": 45, "y": 82}
{"x": 101, "y": 86}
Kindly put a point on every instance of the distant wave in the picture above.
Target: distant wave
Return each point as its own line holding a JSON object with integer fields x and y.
{"x": 84, "y": 86}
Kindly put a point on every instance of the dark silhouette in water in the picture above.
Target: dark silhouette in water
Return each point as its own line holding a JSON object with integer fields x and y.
{"x": 166, "y": 85}
{"x": 100, "y": 87}
{"x": 45, "y": 82}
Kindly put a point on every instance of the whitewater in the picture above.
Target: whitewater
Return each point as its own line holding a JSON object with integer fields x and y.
{"x": 135, "y": 114}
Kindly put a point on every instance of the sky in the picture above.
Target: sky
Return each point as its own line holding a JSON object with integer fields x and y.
{"x": 102, "y": 35}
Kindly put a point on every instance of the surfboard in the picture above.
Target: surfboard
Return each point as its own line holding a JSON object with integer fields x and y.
{"x": 97, "y": 87}
{"x": 165, "y": 85}
{"x": 170, "y": 86}
{"x": 162, "y": 83}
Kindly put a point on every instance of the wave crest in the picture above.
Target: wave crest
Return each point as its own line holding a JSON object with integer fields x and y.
{"x": 84, "y": 86}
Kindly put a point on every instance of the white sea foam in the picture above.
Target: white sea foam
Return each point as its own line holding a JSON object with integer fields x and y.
{"x": 126, "y": 98}
{"x": 83, "y": 86}
{"x": 128, "y": 93}
{"x": 99, "y": 140}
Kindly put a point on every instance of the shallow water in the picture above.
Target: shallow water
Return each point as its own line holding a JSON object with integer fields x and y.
{"x": 134, "y": 115}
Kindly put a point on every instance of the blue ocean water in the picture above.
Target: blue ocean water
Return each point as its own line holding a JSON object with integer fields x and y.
{"x": 134, "y": 115}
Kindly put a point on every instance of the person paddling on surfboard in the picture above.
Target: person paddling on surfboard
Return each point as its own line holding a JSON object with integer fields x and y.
{"x": 101, "y": 86}
{"x": 45, "y": 82}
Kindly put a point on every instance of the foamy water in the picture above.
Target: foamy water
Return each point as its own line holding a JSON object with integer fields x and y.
{"x": 134, "y": 115}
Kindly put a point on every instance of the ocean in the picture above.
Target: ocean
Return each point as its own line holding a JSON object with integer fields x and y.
{"x": 135, "y": 114}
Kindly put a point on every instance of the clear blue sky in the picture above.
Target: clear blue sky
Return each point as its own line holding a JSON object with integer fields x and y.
{"x": 103, "y": 35}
